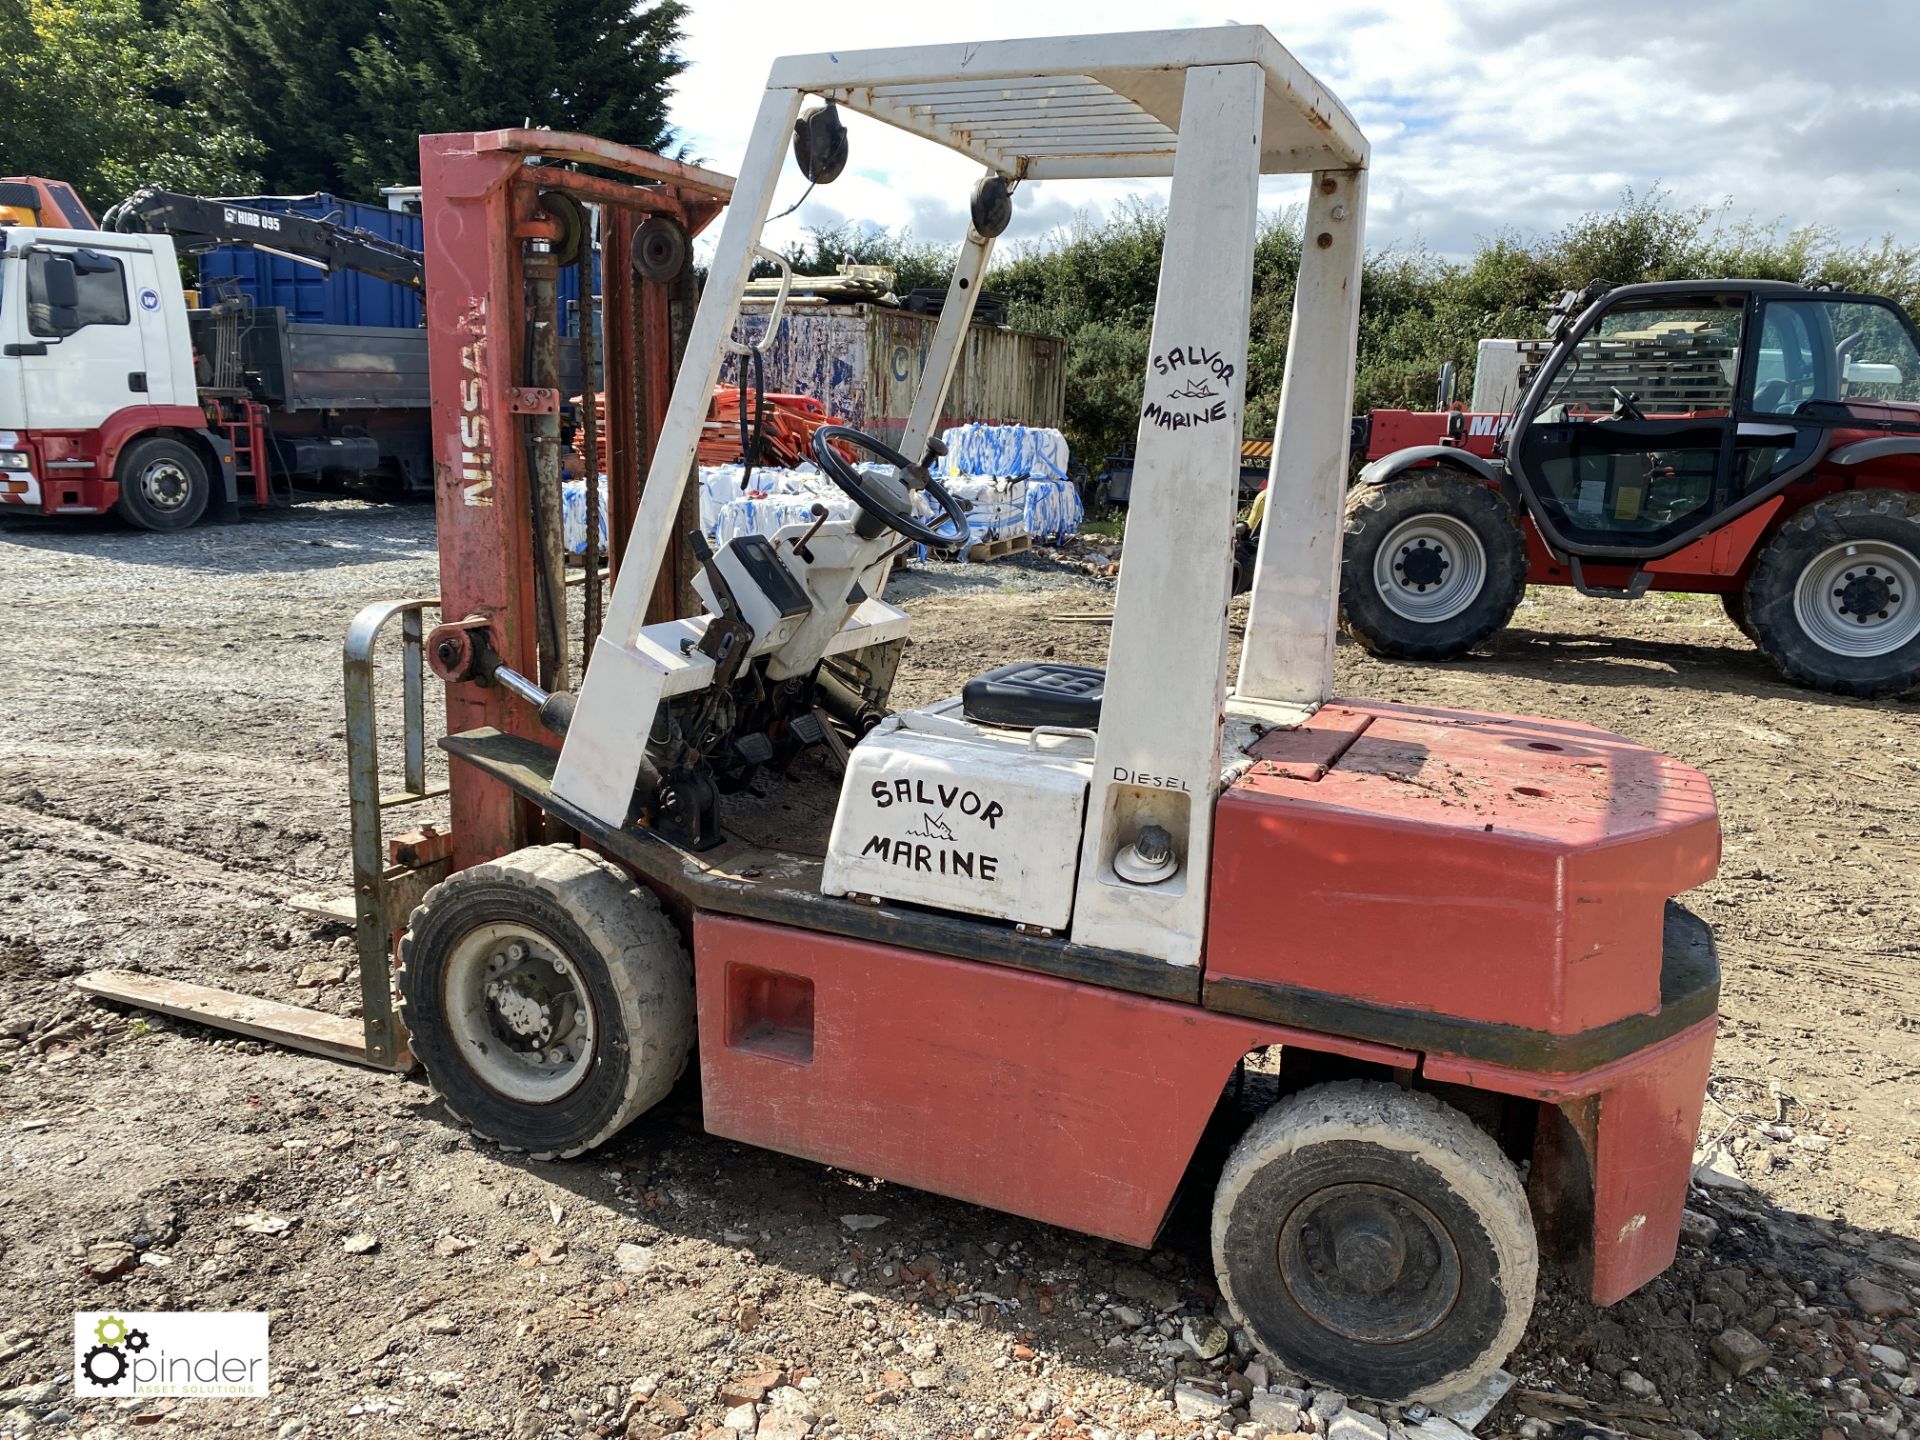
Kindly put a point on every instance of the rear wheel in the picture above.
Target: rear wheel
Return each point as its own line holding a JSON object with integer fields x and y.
{"x": 548, "y": 998}
{"x": 1433, "y": 563}
{"x": 1735, "y": 604}
{"x": 1374, "y": 1239}
{"x": 1835, "y": 595}
{"x": 163, "y": 484}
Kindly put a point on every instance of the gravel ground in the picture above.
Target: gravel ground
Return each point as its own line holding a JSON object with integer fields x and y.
{"x": 173, "y": 773}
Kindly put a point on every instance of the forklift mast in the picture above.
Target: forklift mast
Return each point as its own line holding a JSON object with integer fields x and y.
{"x": 504, "y": 210}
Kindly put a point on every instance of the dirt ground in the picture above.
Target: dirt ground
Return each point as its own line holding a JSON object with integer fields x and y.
{"x": 172, "y": 772}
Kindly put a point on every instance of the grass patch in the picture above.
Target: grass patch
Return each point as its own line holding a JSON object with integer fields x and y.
{"x": 1109, "y": 521}
{"x": 1781, "y": 1413}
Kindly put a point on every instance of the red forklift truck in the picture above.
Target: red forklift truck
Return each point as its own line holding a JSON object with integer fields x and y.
{"x": 1015, "y": 945}
{"x": 1743, "y": 438}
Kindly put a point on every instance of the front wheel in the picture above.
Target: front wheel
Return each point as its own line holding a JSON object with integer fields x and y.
{"x": 1374, "y": 1239}
{"x": 163, "y": 484}
{"x": 1834, "y": 598}
{"x": 1433, "y": 563}
{"x": 548, "y": 998}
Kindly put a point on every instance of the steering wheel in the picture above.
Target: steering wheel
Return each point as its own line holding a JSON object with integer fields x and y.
{"x": 880, "y": 505}
{"x": 1626, "y": 403}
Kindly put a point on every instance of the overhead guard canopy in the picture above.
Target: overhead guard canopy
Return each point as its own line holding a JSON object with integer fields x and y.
{"x": 1080, "y": 106}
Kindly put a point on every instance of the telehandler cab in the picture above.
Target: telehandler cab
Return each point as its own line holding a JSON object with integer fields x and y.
{"x": 1015, "y": 945}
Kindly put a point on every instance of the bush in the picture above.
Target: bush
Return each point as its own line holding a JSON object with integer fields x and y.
{"x": 1094, "y": 284}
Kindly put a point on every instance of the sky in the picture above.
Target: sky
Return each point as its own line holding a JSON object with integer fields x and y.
{"x": 1484, "y": 115}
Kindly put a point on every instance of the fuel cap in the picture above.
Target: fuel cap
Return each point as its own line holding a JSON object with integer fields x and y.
{"x": 1148, "y": 859}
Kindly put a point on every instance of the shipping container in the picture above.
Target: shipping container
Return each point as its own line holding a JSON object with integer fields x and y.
{"x": 864, "y": 363}
{"x": 312, "y": 296}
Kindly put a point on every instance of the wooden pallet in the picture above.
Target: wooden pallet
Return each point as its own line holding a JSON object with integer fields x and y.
{"x": 981, "y": 550}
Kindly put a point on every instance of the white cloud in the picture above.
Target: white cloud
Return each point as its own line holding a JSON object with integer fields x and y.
{"x": 1484, "y": 115}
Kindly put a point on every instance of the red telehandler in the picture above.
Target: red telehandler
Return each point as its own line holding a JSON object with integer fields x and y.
{"x": 1746, "y": 438}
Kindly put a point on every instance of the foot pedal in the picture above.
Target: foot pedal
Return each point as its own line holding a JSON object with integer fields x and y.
{"x": 755, "y": 749}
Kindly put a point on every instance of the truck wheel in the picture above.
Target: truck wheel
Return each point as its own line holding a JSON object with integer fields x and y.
{"x": 548, "y": 997}
{"x": 1735, "y": 604}
{"x": 163, "y": 484}
{"x": 1376, "y": 1240}
{"x": 1433, "y": 563}
{"x": 1835, "y": 595}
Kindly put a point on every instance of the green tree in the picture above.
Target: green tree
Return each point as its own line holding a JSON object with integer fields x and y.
{"x": 102, "y": 95}
{"x": 605, "y": 67}
{"x": 290, "y": 82}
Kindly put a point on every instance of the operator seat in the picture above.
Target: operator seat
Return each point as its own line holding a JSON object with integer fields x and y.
{"x": 1033, "y": 693}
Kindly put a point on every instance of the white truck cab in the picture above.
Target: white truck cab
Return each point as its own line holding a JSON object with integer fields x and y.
{"x": 99, "y": 408}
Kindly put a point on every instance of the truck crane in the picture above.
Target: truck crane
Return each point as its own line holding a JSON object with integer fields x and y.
{"x": 199, "y": 223}
{"x": 116, "y": 396}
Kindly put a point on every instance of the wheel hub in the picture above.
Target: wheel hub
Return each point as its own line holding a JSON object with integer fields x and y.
{"x": 1370, "y": 1255}
{"x": 1430, "y": 568}
{"x": 1867, "y": 595}
{"x": 165, "y": 485}
{"x": 1857, "y": 598}
{"x": 1369, "y": 1263}
{"x": 1422, "y": 563}
{"x": 523, "y": 1010}
{"x": 519, "y": 1012}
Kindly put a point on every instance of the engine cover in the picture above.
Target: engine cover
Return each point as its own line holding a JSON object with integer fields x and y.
{"x": 976, "y": 821}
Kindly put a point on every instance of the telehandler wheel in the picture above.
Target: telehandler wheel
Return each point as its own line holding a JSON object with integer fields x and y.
{"x": 1433, "y": 563}
{"x": 548, "y": 997}
{"x": 1735, "y": 604}
{"x": 163, "y": 484}
{"x": 1835, "y": 595}
{"x": 1376, "y": 1240}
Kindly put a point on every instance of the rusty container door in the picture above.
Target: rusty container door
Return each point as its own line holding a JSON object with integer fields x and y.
{"x": 865, "y": 363}
{"x": 1004, "y": 377}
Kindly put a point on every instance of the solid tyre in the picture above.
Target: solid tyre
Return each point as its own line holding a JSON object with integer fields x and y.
{"x": 163, "y": 484}
{"x": 1783, "y": 599}
{"x": 1487, "y": 543}
{"x": 620, "y": 948}
{"x": 1333, "y": 1178}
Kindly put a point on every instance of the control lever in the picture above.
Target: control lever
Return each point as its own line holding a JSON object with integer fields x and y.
{"x": 555, "y": 707}
{"x": 728, "y": 636}
{"x": 462, "y": 651}
{"x": 726, "y": 642}
{"x": 916, "y": 476}
{"x": 819, "y": 513}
